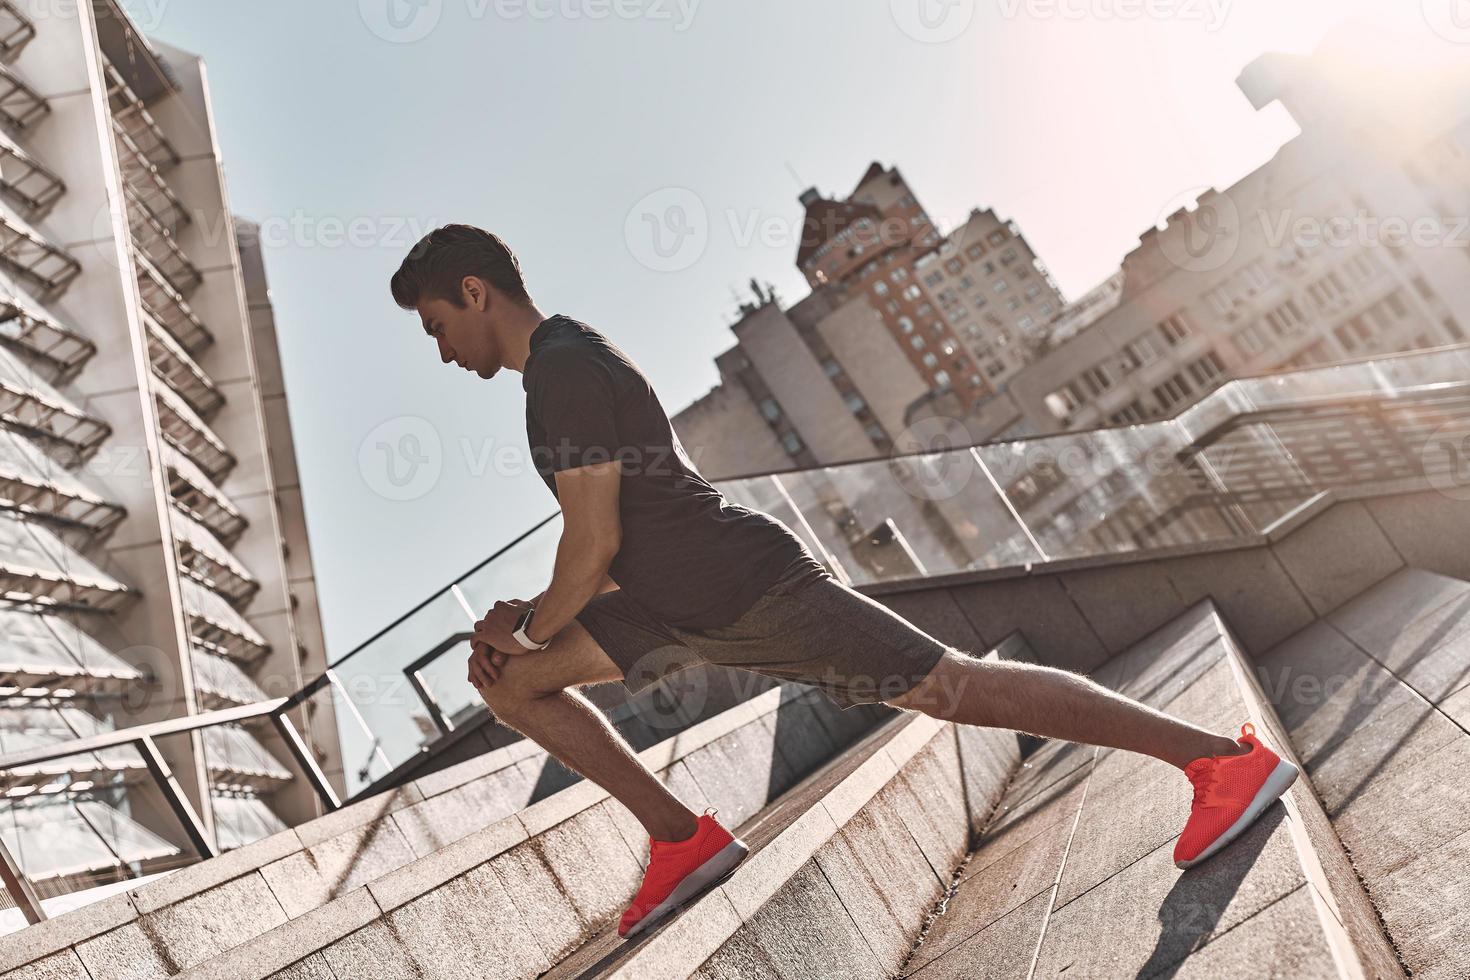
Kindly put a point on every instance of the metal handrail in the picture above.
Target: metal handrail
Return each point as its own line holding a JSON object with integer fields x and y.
{"x": 142, "y": 737}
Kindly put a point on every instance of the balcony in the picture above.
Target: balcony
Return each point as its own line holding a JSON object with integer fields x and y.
{"x": 174, "y": 365}
{"x": 203, "y": 556}
{"x": 129, "y": 113}
{"x": 158, "y": 243}
{"x": 20, "y": 105}
{"x": 217, "y": 628}
{"x": 25, "y": 180}
{"x": 220, "y": 683}
{"x": 34, "y": 259}
{"x": 27, "y": 327}
{"x": 143, "y": 179}
{"x": 190, "y": 434}
{"x": 31, "y": 405}
{"x": 39, "y": 569}
{"x": 167, "y": 305}
{"x": 196, "y": 494}
{"x": 16, "y": 30}
{"x": 39, "y": 488}
{"x": 237, "y": 761}
{"x": 50, "y": 655}
{"x": 62, "y": 838}
{"x": 26, "y": 725}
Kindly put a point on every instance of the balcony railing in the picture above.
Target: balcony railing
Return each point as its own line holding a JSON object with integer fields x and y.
{"x": 186, "y": 430}
{"x": 134, "y": 119}
{"x": 16, "y": 30}
{"x": 38, "y": 488}
{"x": 1134, "y": 493}
{"x": 25, "y": 326}
{"x": 157, "y": 242}
{"x": 167, "y": 305}
{"x": 31, "y": 405}
{"x": 194, "y": 492}
{"x": 182, "y": 373}
{"x": 24, "y": 179}
{"x": 28, "y": 255}
{"x": 20, "y": 105}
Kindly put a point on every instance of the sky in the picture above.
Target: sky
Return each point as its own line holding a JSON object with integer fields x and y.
{"x": 644, "y": 158}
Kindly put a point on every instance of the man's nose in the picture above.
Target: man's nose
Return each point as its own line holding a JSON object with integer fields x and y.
{"x": 446, "y": 354}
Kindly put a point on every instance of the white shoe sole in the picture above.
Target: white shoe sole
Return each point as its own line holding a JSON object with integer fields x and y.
{"x": 702, "y": 878}
{"x": 1277, "y": 783}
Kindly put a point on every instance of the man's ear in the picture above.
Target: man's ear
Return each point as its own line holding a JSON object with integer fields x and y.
{"x": 475, "y": 293}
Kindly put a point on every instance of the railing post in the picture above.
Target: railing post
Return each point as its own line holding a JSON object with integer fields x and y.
{"x": 305, "y": 760}
{"x": 19, "y": 887}
{"x": 174, "y": 794}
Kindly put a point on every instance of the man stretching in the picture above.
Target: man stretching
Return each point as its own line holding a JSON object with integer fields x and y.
{"x": 656, "y": 571}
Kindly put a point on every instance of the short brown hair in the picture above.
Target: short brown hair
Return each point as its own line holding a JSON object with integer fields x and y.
{"x": 434, "y": 268}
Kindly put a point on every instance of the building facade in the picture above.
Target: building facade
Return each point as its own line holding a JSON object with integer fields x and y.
{"x": 152, "y": 545}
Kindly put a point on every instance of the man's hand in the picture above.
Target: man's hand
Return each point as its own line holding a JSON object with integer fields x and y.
{"x": 492, "y": 642}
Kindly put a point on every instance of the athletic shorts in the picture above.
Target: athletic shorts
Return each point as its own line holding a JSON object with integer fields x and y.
{"x": 807, "y": 627}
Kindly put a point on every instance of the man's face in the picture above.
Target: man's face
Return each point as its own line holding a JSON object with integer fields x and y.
{"x": 463, "y": 336}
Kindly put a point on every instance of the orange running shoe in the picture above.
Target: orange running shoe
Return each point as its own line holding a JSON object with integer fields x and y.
{"x": 1230, "y": 792}
{"x": 680, "y": 871}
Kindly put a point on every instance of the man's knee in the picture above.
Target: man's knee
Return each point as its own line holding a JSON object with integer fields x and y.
{"x": 522, "y": 680}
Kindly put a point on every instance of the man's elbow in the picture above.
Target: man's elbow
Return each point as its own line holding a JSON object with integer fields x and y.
{"x": 604, "y": 544}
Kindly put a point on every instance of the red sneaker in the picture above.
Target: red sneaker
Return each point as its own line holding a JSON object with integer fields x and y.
{"x": 1230, "y": 792}
{"x": 679, "y": 871}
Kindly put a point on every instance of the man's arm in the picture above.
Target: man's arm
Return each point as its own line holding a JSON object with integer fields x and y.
{"x": 591, "y": 535}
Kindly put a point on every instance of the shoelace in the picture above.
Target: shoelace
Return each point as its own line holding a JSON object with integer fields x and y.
{"x": 1204, "y": 780}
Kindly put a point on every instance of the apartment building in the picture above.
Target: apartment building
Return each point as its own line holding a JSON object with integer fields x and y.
{"x": 153, "y": 549}
{"x": 1353, "y": 240}
{"x": 898, "y": 316}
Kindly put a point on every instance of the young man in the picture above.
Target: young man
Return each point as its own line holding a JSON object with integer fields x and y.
{"x": 655, "y": 571}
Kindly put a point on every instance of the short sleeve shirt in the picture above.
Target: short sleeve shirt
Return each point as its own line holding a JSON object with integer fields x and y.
{"x": 689, "y": 557}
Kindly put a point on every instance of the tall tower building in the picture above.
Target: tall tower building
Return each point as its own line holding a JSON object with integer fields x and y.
{"x": 152, "y": 548}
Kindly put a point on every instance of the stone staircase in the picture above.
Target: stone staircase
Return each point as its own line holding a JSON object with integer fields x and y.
{"x": 890, "y": 844}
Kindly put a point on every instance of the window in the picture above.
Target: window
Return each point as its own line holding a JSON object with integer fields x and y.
{"x": 917, "y": 340}
{"x": 1396, "y": 304}
{"x": 912, "y": 291}
{"x": 1174, "y": 328}
{"x": 994, "y": 368}
{"x": 953, "y": 267}
{"x": 770, "y": 409}
{"x": 941, "y": 378}
{"x": 855, "y": 402}
{"x": 1033, "y": 291}
{"x": 1172, "y": 392}
{"x": 996, "y": 237}
{"x": 791, "y": 442}
{"x": 1285, "y": 319}
{"x": 1046, "y": 309}
{"x": 930, "y": 361}
{"x": 899, "y": 274}
{"x": 1353, "y": 334}
{"x": 1423, "y": 288}
{"x": 1000, "y": 285}
{"x": 1250, "y": 341}
{"x": 1097, "y": 380}
{"x": 967, "y": 281}
{"x": 976, "y": 250}
{"x": 831, "y": 368}
{"x": 1013, "y": 304}
{"x": 934, "y": 278}
{"x": 924, "y": 309}
{"x": 1206, "y": 369}
{"x": 1452, "y": 327}
{"x": 975, "y": 381}
{"x": 1327, "y": 291}
{"x": 880, "y": 287}
{"x": 875, "y": 432}
{"x": 1130, "y": 413}
{"x": 905, "y": 324}
{"x": 948, "y": 349}
{"x": 1362, "y": 267}
{"x": 1025, "y": 321}
{"x": 980, "y": 302}
{"x": 1008, "y": 256}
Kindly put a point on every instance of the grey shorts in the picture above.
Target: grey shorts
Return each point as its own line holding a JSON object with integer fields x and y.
{"x": 808, "y": 627}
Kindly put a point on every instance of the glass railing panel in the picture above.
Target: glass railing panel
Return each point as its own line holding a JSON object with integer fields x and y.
{"x": 912, "y": 517}
{"x": 1215, "y": 409}
{"x": 768, "y": 495}
{"x": 520, "y": 572}
{"x": 1258, "y": 475}
{"x": 1110, "y": 492}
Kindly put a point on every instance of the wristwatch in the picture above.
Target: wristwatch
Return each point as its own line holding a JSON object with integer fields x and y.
{"x": 524, "y": 639}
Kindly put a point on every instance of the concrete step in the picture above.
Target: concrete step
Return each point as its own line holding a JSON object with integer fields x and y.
{"x": 1377, "y": 700}
{"x": 403, "y": 844}
{"x": 1074, "y": 876}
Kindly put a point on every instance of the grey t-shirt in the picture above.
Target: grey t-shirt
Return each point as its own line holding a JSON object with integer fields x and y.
{"x": 689, "y": 557}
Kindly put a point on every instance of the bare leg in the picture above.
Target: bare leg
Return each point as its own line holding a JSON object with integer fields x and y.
{"x": 1055, "y": 704}
{"x": 534, "y": 695}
